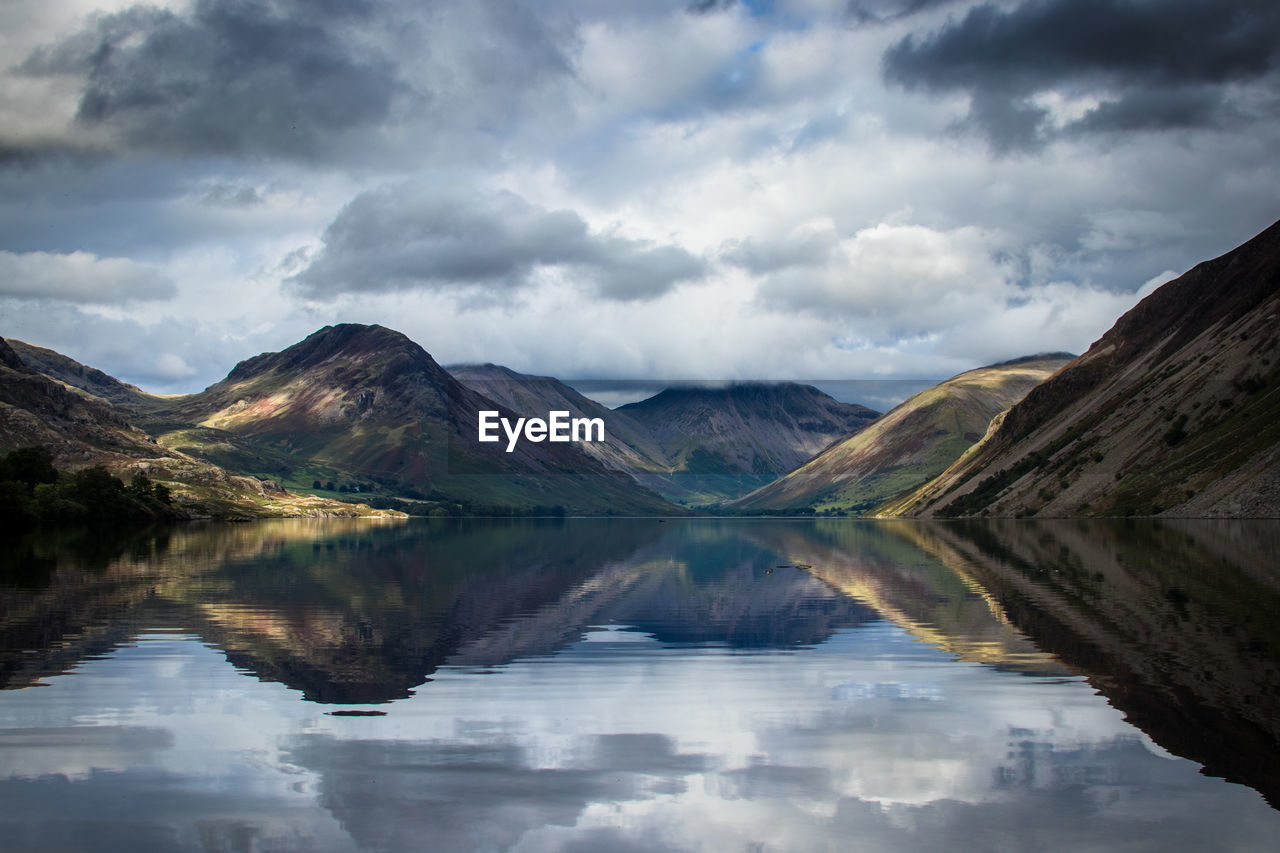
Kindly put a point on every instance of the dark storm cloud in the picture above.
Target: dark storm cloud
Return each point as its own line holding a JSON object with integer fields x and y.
{"x": 406, "y": 237}
{"x": 706, "y": 7}
{"x": 227, "y": 77}
{"x": 1159, "y": 109}
{"x": 1153, "y": 65}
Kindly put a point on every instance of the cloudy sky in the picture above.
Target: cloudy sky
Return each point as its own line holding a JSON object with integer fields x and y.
{"x": 597, "y": 188}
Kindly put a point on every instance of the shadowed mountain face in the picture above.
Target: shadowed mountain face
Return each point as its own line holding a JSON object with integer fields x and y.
{"x": 373, "y": 406}
{"x": 723, "y": 442}
{"x": 70, "y": 372}
{"x": 1175, "y": 411}
{"x": 35, "y": 409}
{"x": 907, "y": 447}
{"x": 361, "y": 405}
{"x": 82, "y": 428}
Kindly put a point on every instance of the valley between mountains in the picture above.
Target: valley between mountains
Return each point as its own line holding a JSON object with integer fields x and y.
{"x": 1174, "y": 412}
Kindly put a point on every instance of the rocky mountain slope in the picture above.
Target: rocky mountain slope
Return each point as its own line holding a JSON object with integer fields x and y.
{"x": 368, "y": 406}
{"x": 81, "y": 429}
{"x": 1175, "y": 411}
{"x": 909, "y": 446}
{"x": 725, "y": 442}
{"x": 73, "y": 374}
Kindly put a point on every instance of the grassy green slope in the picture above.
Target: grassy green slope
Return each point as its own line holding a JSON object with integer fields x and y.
{"x": 908, "y": 446}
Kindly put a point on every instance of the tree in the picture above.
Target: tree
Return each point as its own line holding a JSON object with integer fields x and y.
{"x": 140, "y": 486}
{"x": 31, "y": 466}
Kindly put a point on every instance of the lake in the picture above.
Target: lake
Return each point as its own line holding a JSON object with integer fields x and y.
{"x": 642, "y": 685}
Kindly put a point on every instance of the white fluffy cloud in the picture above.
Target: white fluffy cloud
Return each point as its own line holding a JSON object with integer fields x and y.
{"x": 79, "y": 277}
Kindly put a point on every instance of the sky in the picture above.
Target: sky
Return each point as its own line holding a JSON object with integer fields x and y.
{"x": 768, "y": 189}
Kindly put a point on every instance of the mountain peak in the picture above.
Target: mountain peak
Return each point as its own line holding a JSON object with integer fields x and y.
{"x": 349, "y": 341}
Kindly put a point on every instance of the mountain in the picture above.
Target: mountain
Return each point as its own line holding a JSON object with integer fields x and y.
{"x": 724, "y": 442}
{"x": 81, "y": 429}
{"x": 907, "y": 447}
{"x": 627, "y": 446}
{"x": 75, "y": 426}
{"x": 1175, "y": 411}
{"x": 73, "y": 374}
{"x": 368, "y": 406}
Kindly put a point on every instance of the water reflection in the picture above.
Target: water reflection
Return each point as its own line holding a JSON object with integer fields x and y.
{"x": 631, "y": 684}
{"x": 1177, "y": 623}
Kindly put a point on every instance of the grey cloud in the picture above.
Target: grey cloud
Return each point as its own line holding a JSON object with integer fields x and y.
{"x": 883, "y": 11}
{"x": 1012, "y": 124}
{"x": 228, "y": 77}
{"x": 79, "y": 277}
{"x": 707, "y": 7}
{"x": 479, "y": 796}
{"x": 1159, "y": 109}
{"x": 328, "y": 81}
{"x": 766, "y": 256}
{"x": 407, "y": 237}
{"x": 232, "y": 195}
{"x": 1138, "y": 57}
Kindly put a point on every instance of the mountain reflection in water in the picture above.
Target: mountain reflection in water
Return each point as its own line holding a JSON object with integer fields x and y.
{"x": 599, "y": 684}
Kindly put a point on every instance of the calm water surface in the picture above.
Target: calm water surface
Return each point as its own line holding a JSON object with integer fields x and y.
{"x": 642, "y": 685}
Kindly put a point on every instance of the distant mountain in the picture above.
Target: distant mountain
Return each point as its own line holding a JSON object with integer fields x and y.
{"x": 727, "y": 441}
{"x": 366, "y": 405}
{"x": 1175, "y": 411}
{"x": 81, "y": 429}
{"x": 627, "y": 446}
{"x": 909, "y": 446}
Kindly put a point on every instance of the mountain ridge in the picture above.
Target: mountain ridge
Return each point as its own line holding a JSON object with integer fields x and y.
{"x": 908, "y": 446}
{"x": 369, "y": 404}
{"x": 723, "y": 442}
{"x": 1174, "y": 411}
{"x": 80, "y": 430}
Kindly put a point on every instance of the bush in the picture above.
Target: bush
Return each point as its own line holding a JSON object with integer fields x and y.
{"x": 32, "y": 490}
{"x": 30, "y": 466}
